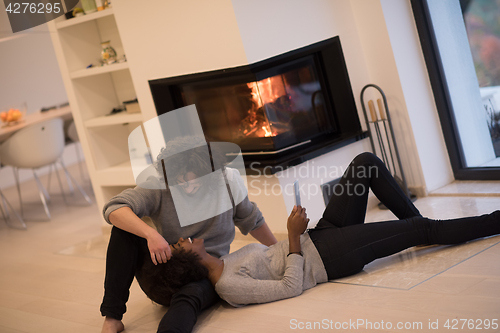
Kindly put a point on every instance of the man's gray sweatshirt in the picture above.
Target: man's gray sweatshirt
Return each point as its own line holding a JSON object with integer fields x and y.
{"x": 218, "y": 232}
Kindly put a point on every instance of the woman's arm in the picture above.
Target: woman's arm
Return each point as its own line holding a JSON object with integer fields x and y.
{"x": 296, "y": 225}
{"x": 240, "y": 290}
{"x": 243, "y": 289}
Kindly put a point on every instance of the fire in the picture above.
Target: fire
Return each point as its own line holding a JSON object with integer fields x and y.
{"x": 267, "y": 130}
{"x": 255, "y": 94}
{"x": 268, "y": 90}
{"x": 264, "y": 92}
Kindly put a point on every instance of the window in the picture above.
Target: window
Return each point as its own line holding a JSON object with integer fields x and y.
{"x": 460, "y": 87}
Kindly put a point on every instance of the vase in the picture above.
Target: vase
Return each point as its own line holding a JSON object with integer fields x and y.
{"x": 99, "y": 4}
{"x": 108, "y": 53}
{"x": 88, "y": 6}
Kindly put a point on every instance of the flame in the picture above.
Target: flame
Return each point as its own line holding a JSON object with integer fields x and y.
{"x": 267, "y": 90}
{"x": 255, "y": 93}
{"x": 264, "y": 92}
{"x": 267, "y": 130}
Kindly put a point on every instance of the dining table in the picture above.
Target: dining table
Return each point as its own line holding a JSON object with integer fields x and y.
{"x": 6, "y": 130}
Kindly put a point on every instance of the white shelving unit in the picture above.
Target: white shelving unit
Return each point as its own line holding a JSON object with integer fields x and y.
{"x": 98, "y": 70}
{"x": 120, "y": 118}
{"x": 77, "y": 20}
{"x": 93, "y": 93}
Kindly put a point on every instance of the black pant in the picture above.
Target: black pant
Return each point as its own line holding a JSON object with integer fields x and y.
{"x": 346, "y": 244}
{"x": 127, "y": 254}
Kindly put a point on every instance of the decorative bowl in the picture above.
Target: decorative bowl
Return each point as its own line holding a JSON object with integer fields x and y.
{"x": 12, "y": 116}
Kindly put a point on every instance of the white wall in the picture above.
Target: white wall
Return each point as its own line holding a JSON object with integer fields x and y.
{"x": 29, "y": 73}
{"x": 419, "y": 98}
{"x": 395, "y": 63}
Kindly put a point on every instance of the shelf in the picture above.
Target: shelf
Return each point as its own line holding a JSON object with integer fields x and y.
{"x": 116, "y": 119}
{"x": 98, "y": 70}
{"x": 94, "y": 92}
{"x": 118, "y": 175}
{"x": 84, "y": 18}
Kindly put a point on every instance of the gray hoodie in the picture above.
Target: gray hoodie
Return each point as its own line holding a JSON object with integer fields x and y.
{"x": 218, "y": 232}
{"x": 260, "y": 274}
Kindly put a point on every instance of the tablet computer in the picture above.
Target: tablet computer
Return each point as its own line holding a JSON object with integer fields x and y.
{"x": 296, "y": 191}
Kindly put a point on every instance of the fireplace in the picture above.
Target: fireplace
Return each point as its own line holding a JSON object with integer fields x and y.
{"x": 280, "y": 111}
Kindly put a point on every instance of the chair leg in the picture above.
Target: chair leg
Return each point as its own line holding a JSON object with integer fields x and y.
{"x": 68, "y": 179}
{"x": 60, "y": 184}
{"x": 43, "y": 194}
{"x": 4, "y": 204}
{"x": 42, "y": 188}
{"x": 18, "y": 185}
{"x": 7, "y": 205}
{"x": 70, "y": 185}
{"x": 80, "y": 189}
{"x": 49, "y": 178}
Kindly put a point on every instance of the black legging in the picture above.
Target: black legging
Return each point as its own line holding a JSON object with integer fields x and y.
{"x": 346, "y": 244}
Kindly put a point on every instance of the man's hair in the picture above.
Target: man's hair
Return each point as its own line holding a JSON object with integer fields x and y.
{"x": 183, "y": 267}
{"x": 180, "y": 157}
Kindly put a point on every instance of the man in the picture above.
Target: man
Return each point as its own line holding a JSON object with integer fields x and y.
{"x": 134, "y": 243}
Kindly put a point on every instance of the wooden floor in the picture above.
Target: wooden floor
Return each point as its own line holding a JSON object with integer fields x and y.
{"x": 51, "y": 280}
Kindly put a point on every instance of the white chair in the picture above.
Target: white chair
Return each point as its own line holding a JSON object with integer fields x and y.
{"x": 36, "y": 146}
{"x": 4, "y": 208}
{"x": 73, "y": 135}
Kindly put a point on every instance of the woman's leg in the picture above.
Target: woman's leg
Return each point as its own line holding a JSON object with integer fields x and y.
{"x": 350, "y": 196}
{"x": 345, "y": 251}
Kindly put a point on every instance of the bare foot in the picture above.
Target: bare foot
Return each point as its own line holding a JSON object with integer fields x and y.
{"x": 112, "y": 325}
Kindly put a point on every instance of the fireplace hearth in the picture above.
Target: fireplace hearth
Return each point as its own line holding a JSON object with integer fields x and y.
{"x": 280, "y": 111}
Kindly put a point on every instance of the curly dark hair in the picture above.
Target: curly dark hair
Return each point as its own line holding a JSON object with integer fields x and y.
{"x": 180, "y": 158}
{"x": 183, "y": 267}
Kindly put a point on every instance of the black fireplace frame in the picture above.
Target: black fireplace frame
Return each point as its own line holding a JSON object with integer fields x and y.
{"x": 339, "y": 100}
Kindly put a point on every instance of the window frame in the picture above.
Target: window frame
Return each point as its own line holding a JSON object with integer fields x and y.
{"x": 442, "y": 99}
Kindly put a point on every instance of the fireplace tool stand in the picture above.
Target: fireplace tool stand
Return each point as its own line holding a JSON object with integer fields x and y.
{"x": 384, "y": 136}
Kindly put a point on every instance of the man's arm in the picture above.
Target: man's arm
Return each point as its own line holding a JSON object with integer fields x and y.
{"x": 125, "y": 219}
{"x": 264, "y": 235}
{"x": 248, "y": 217}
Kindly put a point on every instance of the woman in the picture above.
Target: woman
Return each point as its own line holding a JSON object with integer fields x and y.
{"x": 340, "y": 245}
